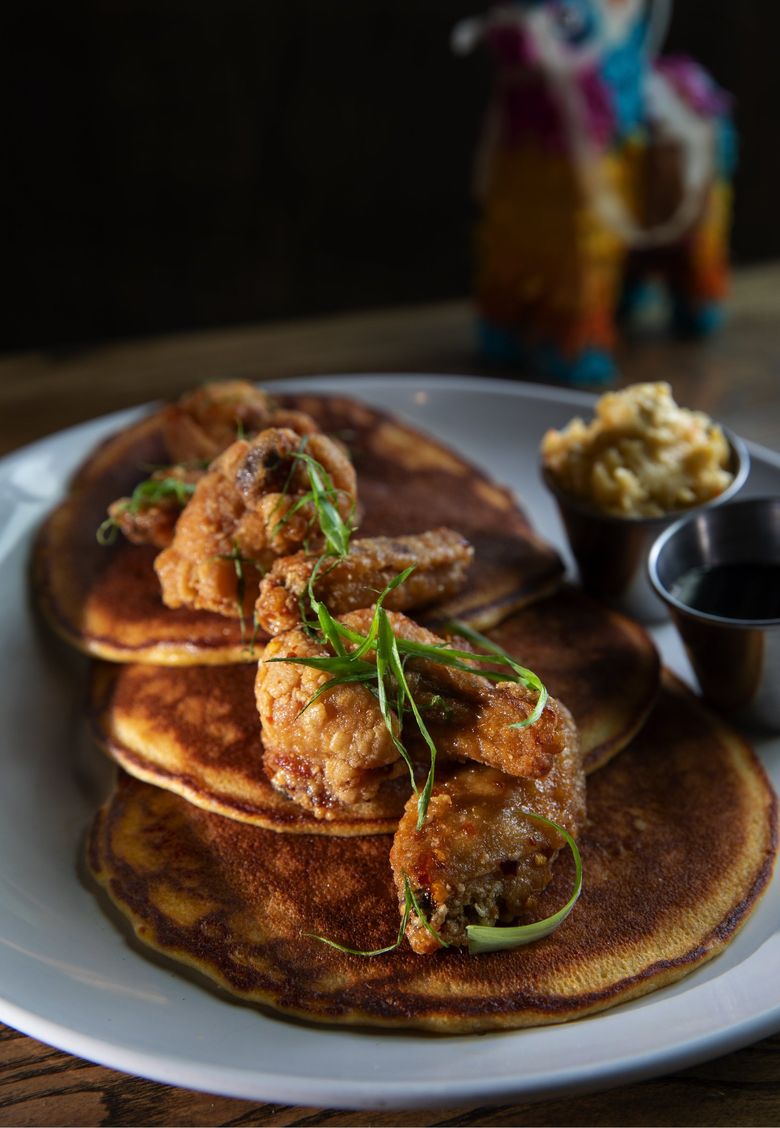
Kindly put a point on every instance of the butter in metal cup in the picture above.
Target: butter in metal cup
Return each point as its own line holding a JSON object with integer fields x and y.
{"x": 612, "y": 552}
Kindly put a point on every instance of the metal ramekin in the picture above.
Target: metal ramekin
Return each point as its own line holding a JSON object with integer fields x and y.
{"x": 611, "y": 552}
{"x": 736, "y": 661}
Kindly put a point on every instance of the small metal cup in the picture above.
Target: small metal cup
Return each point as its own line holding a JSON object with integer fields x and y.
{"x": 611, "y": 552}
{"x": 736, "y": 661}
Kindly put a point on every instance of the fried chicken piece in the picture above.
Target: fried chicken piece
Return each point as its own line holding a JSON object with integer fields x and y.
{"x": 243, "y": 515}
{"x": 336, "y": 750}
{"x": 478, "y": 858}
{"x": 206, "y": 421}
{"x": 440, "y": 557}
{"x": 150, "y": 515}
{"x": 196, "y": 430}
{"x": 470, "y": 718}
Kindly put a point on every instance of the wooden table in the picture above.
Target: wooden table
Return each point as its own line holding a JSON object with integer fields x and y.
{"x": 735, "y": 377}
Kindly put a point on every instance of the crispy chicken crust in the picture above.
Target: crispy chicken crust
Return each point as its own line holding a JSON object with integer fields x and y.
{"x": 241, "y": 518}
{"x": 440, "y": 557}
{"x": 469, "y": 717}
{"x": 153, "y": 522}
{"x": 478, "y": 858}
{"x": 206, "y": 421}
{"x": 336, "y": 750}
{"x": 196, "y": 430}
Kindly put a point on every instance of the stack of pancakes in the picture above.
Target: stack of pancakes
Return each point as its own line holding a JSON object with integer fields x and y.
{"x": 217, "y": 870}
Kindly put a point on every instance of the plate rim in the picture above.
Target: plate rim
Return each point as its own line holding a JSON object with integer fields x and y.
{"x": 396, "y": 1094}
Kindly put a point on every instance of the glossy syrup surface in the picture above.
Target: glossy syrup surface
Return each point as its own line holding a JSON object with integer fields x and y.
{"x": 746, "y": 590}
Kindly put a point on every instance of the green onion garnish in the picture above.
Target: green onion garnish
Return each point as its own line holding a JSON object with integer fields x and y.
{"x": 107, "y": 531}
{"x": 387, "y": 673}
{"x": 155, "y": 490}
{"x": 238, "y": 564}
{"x": 492, "y": 938}
{"x": 150, "y": 492}
{"x": 410, "y": 903}
{"x": 324, "y": 496}
{"x": 525, "y": 676}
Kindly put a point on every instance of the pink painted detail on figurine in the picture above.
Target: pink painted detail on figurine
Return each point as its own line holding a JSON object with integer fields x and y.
{"x": 694, "y": 85}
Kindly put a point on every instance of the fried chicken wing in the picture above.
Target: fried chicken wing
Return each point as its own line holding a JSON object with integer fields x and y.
{"x": 479, "y": 858}
{"x": 440, "y": 557}
{"x": 338, "y": 750}
{"x": 335, "y": 750}
{"x": 470, "y": 718}
{"x": 249, "y": 508}
{"x": 150, "y": 515}
{"x": 206, "y": 421}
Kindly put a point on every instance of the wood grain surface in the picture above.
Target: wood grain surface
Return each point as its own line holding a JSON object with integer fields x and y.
{"x": 41, "y": 1086}
{"x": 736, "y": 377}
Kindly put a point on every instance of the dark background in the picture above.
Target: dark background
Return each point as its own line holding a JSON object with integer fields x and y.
{"x": 174, "y": 165}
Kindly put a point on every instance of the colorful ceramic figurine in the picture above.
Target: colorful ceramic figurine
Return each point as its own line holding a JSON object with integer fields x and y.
{"x": 599, "y": 167}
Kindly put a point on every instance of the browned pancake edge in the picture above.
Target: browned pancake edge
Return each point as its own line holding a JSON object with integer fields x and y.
{"x": 195, "y": 731}
{"x": 106, "y": 600}
{"x": 665, "y": 889}
{"x": 602, "y": 665}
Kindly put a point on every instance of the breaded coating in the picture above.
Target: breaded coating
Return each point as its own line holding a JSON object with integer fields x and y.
{"x": 336, "y": 750}
{"x": 478, "y": 858}
{"x": 196, "y": 430}
{"x": 242, "y": 516}
{"x": 152, "y": 519}
{"x": 440, "y": 557}
{"x": 470, "y": 718}
{"x": 206, "y": 421}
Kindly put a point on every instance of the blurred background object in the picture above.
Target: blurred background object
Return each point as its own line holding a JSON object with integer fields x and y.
{"x": 172, "y": 166}
{"x": 603, "y": 174}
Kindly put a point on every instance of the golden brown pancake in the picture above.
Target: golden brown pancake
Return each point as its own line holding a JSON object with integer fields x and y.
{"x": 679, "y": 846}
{"x": 106, "y": 600}
{"x": 603, "y": 666}
{"x": 195, "y": 731}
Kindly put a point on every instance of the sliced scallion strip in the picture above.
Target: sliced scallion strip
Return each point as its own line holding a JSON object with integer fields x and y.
{"x": 150, "y": 492}
{"x": 391, "y": 653}
{"x": 410, "y": 903}
{"x": 324, "y": 496}
{"x": 238, "y": 561}
{"x": 496, "y": 938}
{"x": 527, "y": 677}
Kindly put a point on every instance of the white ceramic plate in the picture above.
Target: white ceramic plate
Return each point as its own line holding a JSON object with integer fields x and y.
{"x": 68, "y": 976}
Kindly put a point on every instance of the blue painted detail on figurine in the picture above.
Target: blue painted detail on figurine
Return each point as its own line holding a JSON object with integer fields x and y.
{"x": 593, "y": 367}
